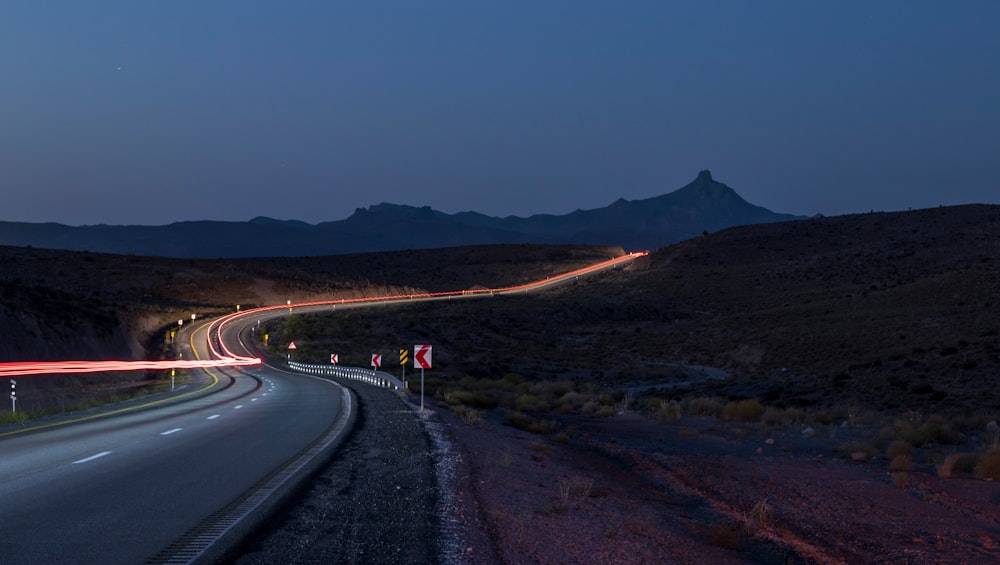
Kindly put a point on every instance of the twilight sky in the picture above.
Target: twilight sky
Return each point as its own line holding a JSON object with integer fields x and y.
{"x": 149, "y": 112}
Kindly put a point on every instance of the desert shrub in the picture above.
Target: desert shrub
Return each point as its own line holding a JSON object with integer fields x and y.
{"x": 899, "y": 447}
{"x": 901, "y": 463}
{"x": 852, "y": 447}
{"x": 552, "y": 389}
{"x": 14, "y": 417}
{"x": 522, "y": 421}
{"x": 510, "y": 382}
{"x": 668, "y": 411}
{"x": 531, "y": 403}
{"x": 572, "y": 398}
{"x": 704, "y": 406}
{"x": 748, "y": 410}
{"x": 772, "y": 417}
{"x": 470, "y": 416}
{"x": 900, "y": 478}
{"x": 934, "y": 430}
{"x": 988, "y": 466}
{"x": 956, "y": 463}
{"x": 605, "y": 411}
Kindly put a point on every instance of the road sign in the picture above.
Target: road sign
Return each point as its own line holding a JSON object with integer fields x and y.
{"x": 334, "y": 358}
{"x": 376, "y": 360}
{"x": 404, "y": 356}
{"x": 291, "y": 345}
{"x": 422, "y": 356}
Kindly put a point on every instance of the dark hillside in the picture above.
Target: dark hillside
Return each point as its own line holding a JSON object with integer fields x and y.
{"x": 894, "y": 310}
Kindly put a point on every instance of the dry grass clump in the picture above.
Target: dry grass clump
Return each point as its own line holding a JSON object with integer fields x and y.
{"x": 988, "y": 466}
{"x": 748, "y": 410}
{"x": 958, "y": 462}
{"x": 522, "y": 421}
{"x": 918, "y": 431}
{"x": 709, "y": 407}
{"x": 668, "y": 411}
{"x": 901, "y": 463}
{"x": 776, "y": 417}
{"x": 850, "y": 448}
{"x": 899, "y": 448}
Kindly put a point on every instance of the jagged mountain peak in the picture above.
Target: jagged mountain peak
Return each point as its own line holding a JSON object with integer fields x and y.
{"x": 703, "y": 204}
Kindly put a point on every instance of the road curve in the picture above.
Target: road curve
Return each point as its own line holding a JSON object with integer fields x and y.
{"x": 141, "y": 486}
{"x": 130, "y": 488}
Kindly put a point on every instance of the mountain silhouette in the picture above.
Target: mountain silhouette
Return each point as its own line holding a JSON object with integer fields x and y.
{"x": 702, "y": 205}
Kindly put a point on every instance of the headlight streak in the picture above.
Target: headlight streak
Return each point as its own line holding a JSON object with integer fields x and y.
{"x": 224, "y": 357}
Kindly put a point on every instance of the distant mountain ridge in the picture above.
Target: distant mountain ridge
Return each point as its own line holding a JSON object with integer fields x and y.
{"x": 702, "y": 205}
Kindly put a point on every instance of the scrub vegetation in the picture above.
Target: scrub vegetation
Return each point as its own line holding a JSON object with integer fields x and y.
{"x": 867, "y": 341}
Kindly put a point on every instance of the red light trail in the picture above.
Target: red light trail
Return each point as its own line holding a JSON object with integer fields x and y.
{"x": 226, "y": 358}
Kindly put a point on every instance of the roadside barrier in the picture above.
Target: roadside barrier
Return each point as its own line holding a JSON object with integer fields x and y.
{"x": 368, "y": 376}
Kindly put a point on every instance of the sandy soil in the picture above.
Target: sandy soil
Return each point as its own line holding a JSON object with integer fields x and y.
{"x": 628, "y": 490}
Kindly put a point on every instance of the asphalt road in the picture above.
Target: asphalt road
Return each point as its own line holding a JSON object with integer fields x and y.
{"x": 164, "y": 483}
{"x": 126, "y": 488}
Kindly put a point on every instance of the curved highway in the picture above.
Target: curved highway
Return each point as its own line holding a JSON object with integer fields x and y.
{"x": 128, "y": 488}
{"x": 162, "y": 483}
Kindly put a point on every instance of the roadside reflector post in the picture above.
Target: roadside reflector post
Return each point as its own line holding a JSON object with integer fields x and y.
{"x": 13, "y": 397}
{"x": 422, "y": 359}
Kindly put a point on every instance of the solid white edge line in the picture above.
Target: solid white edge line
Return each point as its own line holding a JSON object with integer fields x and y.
{"x": 92, "y": 457}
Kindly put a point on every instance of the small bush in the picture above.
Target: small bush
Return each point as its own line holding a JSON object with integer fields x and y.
{"x": 14, "y": 417}
{"x": 702, "y": 406}
{"x": 522, "y": 421}
{"x": 899, "y": 447}
{"x": 531, "y": 403}
{"x": 956, "y": 463}
{"x": 852, "y": 447}
{"x": 749, "y": 410}
{"x": 988, "y": 466}
{"x": 901, "y": 463}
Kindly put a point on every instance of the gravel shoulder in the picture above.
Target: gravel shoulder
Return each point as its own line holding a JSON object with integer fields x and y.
{"x": 373, "y": 503}
{"x": 432, "y": 488}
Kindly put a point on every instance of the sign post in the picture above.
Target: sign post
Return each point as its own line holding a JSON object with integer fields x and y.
{"x": 404, "y": 356}
{"x": 291, "y": 347}
{"x": 422, "y": 359}
{"x": 13, "y": 397}
{"x": 334, "y": 359}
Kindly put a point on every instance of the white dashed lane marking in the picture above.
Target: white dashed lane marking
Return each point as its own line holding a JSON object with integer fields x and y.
{"x": 212, "y": 417}
{"x": 168, "y": 432}
{"x": 237, "y": 407}
{"x": 92, "y": 457}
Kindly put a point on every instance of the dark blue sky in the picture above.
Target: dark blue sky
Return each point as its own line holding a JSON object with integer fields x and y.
{"x": 150, "y": 112}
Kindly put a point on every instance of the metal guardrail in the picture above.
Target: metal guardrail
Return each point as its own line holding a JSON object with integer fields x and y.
{"x": 365, "y": 375}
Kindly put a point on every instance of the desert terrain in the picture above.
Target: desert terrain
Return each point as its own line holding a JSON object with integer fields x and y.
{"x": 817, "y": 391}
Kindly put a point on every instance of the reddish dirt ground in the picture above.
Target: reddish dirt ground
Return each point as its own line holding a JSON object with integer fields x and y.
{"x": 629, "y": 490}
